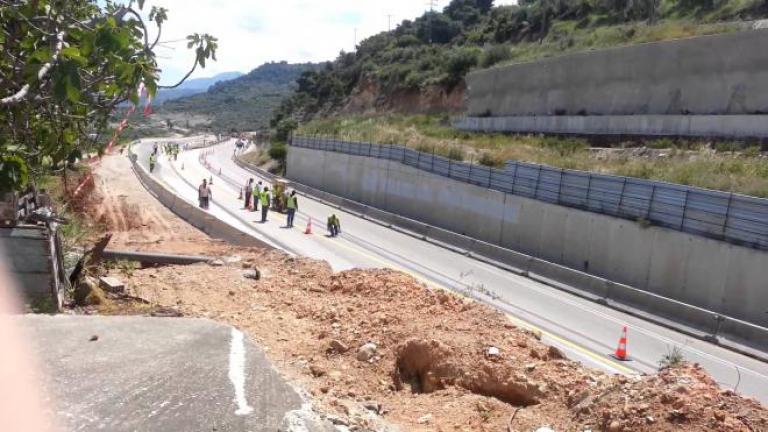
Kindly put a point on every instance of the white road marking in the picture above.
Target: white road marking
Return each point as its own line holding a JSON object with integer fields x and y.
{"x": 237, "y": 372}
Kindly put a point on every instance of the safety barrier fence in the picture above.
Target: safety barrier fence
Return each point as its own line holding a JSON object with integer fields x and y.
{"x": 735, "y": 218}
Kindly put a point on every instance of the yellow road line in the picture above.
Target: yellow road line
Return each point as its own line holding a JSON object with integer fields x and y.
{"x": 520, "y": 322}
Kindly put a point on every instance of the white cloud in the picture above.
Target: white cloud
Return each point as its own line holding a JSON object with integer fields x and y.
{"x": 252, "y": 32}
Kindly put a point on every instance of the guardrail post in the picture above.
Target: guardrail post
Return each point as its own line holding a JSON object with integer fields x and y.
{"x": 650, "y": 203}
{"x": 560, "y": 186}
{"x": 538, "y": 181}
{"x": 621, "y": 196}
{"x": 490, "y": 175}
{"x": 727, "y": 215}
{"x": 514, "y": 178}
{"x": 685, "y": 208}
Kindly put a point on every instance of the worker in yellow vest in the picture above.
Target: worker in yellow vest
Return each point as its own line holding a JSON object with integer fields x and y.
{"x": 265, "y": 198}
{"x": 334, "y": 225}
{"x": 292, "y": 204}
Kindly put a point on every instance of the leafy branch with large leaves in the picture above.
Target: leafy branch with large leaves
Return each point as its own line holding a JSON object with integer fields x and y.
{"x": 65, "y": 67}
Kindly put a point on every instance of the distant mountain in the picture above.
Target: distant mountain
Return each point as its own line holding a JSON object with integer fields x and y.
{"x": 243, "y": 103}
{"x": 194, "y": 86}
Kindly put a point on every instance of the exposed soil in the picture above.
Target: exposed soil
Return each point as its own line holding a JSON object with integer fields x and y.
{"x": 122, "y": 206}
{"x": 376, "y": 346}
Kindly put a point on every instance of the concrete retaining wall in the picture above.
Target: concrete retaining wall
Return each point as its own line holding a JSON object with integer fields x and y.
{"x": 687, "y": 279}
{"x": 718, "y": 74}
{"x": 705, "y": 86}
{"x": 726, "y": 126}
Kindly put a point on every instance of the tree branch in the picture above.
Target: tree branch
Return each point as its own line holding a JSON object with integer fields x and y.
{"x": 24, "y": 91}
{"x": 183, "y": 79}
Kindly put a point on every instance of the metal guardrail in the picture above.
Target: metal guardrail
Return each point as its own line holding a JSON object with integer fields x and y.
{"x": 734, "y": 218}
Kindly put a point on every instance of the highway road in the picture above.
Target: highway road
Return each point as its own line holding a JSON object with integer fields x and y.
{"x": 585, "y": 331}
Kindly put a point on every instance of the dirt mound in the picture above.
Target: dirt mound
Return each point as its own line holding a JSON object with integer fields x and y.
{"x": 427, "y": 359}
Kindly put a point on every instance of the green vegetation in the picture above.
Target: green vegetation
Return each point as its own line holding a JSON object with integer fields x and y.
{"x": 65, "y": 66}
{"x": 241, "y": 104}
{"x": 726, "y": 166}
{"x": 439, "y": 48}
{"x": 672, "y": 359}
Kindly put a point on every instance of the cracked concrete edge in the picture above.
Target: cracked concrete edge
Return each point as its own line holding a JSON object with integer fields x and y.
{"x": 304, "y": 419}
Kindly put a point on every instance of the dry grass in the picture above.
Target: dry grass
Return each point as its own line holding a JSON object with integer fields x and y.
{"x": 730, "y": 167}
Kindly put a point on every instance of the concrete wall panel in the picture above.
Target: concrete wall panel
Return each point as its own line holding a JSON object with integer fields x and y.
{"x": 719, "y": 74}
{"x": 676, "y": 265}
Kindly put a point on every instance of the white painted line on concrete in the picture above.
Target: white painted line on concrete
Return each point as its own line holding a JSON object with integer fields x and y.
{"x": 237, "y": 371}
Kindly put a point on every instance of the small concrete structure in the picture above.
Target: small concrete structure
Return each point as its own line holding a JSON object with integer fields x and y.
{"x": 34, "y": 260}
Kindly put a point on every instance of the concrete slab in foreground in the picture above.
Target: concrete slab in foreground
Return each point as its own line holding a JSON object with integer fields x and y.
{"x": 156, "y": 374}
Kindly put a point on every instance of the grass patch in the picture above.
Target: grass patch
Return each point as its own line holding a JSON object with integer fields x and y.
{"x": 725, "y": 166}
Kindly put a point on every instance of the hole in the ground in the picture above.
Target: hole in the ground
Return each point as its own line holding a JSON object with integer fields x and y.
{"x": 427, "y": 366}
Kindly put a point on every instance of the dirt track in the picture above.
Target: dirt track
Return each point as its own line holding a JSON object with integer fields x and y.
{"x": 136, "y": 219}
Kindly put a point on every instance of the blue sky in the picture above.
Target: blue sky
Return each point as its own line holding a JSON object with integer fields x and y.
{"x": 252, "y": 32}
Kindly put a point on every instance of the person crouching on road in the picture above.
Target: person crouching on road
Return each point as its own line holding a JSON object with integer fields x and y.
{"x": 264, "y": 204}
{"x": 248, "y": 192}
{"x": 204, "y": 195}
{"x": 334, "y": 225}
{"x": 292, "y": 204}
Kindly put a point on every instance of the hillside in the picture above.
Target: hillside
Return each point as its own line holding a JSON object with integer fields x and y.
{"x": 243, "y": 103}
{"x": 193, "y": 86}
{"x": 420, "y": 65}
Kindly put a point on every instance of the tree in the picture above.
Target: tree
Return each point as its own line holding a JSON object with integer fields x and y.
{"x": 66, "y": 66}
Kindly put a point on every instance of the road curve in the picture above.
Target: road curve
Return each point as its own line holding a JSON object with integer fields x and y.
{"x": 586, "y": 331}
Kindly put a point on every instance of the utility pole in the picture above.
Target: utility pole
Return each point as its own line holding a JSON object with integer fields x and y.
{"x": 354, "y": 46}
{"x": 389, "y": 22}
{"x": 431, "y": 4}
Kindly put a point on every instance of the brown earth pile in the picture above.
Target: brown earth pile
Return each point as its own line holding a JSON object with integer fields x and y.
{"x": 425, "y": 359}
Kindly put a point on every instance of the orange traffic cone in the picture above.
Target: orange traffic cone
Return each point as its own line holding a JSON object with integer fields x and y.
{"x": 621, "y": 350}
{"x": 309, "y": 227}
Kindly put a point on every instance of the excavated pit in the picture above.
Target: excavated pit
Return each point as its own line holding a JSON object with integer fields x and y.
{"x": 426, "y": 366}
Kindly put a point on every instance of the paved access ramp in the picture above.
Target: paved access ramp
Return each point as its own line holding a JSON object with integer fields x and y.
{"x": 156, "y": 374}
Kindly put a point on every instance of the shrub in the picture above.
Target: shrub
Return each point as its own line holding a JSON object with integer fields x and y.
{"x": 278, "y": 152}
{"x": 284, "y": 129}
{"x": 494, "y": 55}
{"x": 13, "y": 173}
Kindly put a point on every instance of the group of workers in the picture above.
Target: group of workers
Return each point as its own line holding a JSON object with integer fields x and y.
{"x": 256, "y": 193}
{"x": 170, "y": 149}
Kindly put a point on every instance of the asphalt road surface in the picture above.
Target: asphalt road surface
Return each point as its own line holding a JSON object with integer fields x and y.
{"x": 586, "y": 331}
{"x": 155, "y": 374}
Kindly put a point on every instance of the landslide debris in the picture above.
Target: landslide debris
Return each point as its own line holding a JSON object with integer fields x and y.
{"x": 377, "y": 348}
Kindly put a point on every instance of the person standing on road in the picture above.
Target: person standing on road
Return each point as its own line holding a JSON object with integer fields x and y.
{"x": 292, "y": 204}
{"x": 248, "y": 192}
{"x": 264, "y": 204}
{"x": 204, "y": 194}
{"x": 152, "y": 162}
{"x": 256, "y": 196}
